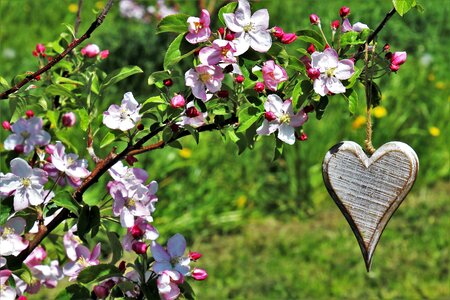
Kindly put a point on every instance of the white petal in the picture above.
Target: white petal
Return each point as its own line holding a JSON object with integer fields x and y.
{"x": 260, "y": 19}
{"x": 286, "y": 133}
{"x": 320, "y": 85}
{"x": 176, "y": 245}
{"x": 231, "y": 23}
{"x": 274, "y": 104}
{"x": 12, "y": 141}
{"x": 20, "y": 168}
{"x": 261, "y": 41}
{"x": 241, "y": 44}
{"x": 243, "y": 12}
{"x": 345, "y": 69}
{"x": 335, "y": 86}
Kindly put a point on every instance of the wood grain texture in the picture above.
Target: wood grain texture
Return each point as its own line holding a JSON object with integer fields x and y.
{"x": 368, "y": 190}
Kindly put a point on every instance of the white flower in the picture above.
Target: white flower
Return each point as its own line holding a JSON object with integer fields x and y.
{"x": 125, "y": 116}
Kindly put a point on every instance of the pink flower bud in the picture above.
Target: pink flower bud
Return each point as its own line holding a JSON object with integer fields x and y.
{"x": 195, "y": 255}
{"x": 22, "y": 297}
{"x": 168, "y": 82}
{"x": 130, "y": 159}
{"x": 222, "y": 94}
{"x": 100, "y": 291}
{"x": 221, "y": 31}
{"x": 326, "y": 47}
{"x": 6, "y": 125}
{"x": 109, "y": 284}
{"x": 277, "y": 32}
{"x": 259, "y": 87}
{"x": 314, "y": 19}
{"x": 136, "y": 232}
{"x": 303, "y": 136}
{"x": 177, "y": 101}
{"x": 90, "y": 50}
{"x": 68, "y": 119}
{"x": 104, "y": 54}
{"x": 239, "y": 79}
{"x": 394, "y": 68}
{"x": 199, "y": 274}
{"x": 311, "y": 49}
{"x": 19, "y": 149}
{"x": 308, "y": 109}
{"x": 270, "y": 116}
{"x": 288, "y": 38}
{"x": 29, "y": 113}
{"x": 192, "y": 112}
{"x": 398, "y": 58}
{"x": 313, "y": 73}
{"x": 386, "y": 47}
{"x": 344, "y": 11}
{"x": 50, "y": 149}
{"x": 40, "y": 48}
{"x": 229, "y": 36}
{"x": 335, "y": 25}
{"x": 139, "y": 247}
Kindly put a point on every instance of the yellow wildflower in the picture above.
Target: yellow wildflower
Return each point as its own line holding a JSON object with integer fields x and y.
{"x": 379, "y": 112}
{"x": 434, "y": 131}
{"x": 358, "y": 122}
{"x": 241, "y": 201}
{"x": 73, "y": 7}
{"x": 99, "y": 5}
{"x": 440, "y": 85}
{"x": 185, "y": 153}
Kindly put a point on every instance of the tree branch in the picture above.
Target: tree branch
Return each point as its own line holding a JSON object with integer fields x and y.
{"x": 78, "y": 18}
{"x": 59, "y": 57}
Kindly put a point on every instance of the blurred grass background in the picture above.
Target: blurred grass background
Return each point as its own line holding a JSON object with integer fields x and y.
{"x": 268, "y": 230}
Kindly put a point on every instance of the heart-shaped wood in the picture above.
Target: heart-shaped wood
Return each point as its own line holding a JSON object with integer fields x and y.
{"x": 368, "y": 190}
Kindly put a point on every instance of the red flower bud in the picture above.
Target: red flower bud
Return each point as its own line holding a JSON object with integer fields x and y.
{"x": 311, "y": 49}
{"x": 199, "y": 274}
{"x": 100, "y": 291}
{"x": 168, "y": 82}
{"x": 22, "y": 297}
{"x": 104, "y": 54}
{"x": 68, "y": 119}
{"x": 221, "y": 31}
{"x": 18, "y": 149}
{"x": 6, "y": 125}
{"x": 177, "y": 101}
{"x": 29, "y": 113}
{"x": 288, "y": 38}
{"x": 277, "y": 32}
{"x": 130, "y": 159}
{"x": 239, "y": 79}
{"x": 139, "y": 247}
{"x": 136, "y": 232}
{"x": 313, "y": 73}
{"x": 344, "y": 11}
{"x": 394, "y": 68}
{"x": 109, "y": 284}
{"x": 259, "y": 87}
{"x": 270, "y": 116}
{"x": 388, "y": 55}
{"x": 335, "y": 25}
{"x": 308, "y": 108}
{"x": 37, "y": 78}
{"x": 40, "y": 48}
{"x": 122, "y": 266}
{"x": 326, "y": 47}
{"x": 398, "y": 58}
{"x": 195, "y": 255}
{"x": 386, "y": 47}
{"x": 222, "y": 94}
{"x": 192, "y": 112}
{"x": 174, "y": 127}
{"x": 140, "y": 126}
{"x": 314, "y": 19}
{"x": 303, "y": 136}
{"x": 229, "y": 36}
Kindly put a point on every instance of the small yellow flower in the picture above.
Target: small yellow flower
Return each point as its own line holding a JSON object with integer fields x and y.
{"x": 185, "y": 153}
{"x": 379, "y": 112}
{"x": 241, "y": 201}
{"x": 358, "y": 122}
{"x": 431, "y": 77}
{"x": 434, "y": 131}
{"x": 99, "y": 5}
{"x": 440, "y": 85}
{"x": 73, "y": 7}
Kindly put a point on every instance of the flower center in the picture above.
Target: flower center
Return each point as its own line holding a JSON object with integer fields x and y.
{"x": 205, "y": 77}
{"x": 285, "y": 119}
{"x": 123, "y": 114}
{"x": 26, "y": 182}
{"x": 83, "y": 262}
{"x": 198, "y": 26}
{"x": 176, "y": 260}
{"x": 7, "y": 231}
{"x": 25, "y": 134}
{"x": 330, "y": 72}
{"x": 248, "y": 27}
{"x": 130, "y": 203}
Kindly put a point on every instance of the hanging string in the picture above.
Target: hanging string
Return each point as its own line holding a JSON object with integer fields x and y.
{"x": 368, "y": 87}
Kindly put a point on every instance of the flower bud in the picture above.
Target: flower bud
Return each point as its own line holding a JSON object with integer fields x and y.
{"x": 313, "y": 73}
{"x": 303, "y": 136}
{"x": 195, "y": 255}
{"x": 228, "y": 69}
{"x": 90, "y": 50}
{"x": 19, "y": 149}
{"x": 221, "y": 31}
{"x": 122, "y": 266}
{"x": 130, "y": 159}
{"x": 140, "y": 126}
{"x": 222, "y": 94}
{"x": 288, "y": 38}
{"x": 177, "y": 101}
{"x": 174, "y": 127}
{"x": 192, "y": 112}
{"x": 386, "y": 47}
{"x": 239, "y": 79}
{"x": 168, "y": 82}
{"x": 100, "y": 291}
{"x": 314, "y": 19}
{"x": 68, "y": 119}
{"x": 136, "y": 232}
{"x": 277, "y": 32}
{"x": 139, "y": 247}
{"x": 259, "y": 87}
{"x": 308, "y": 108}
{"x": 109, "y": 284}
{"x": 311, "y": 49}
{"x": 104, "y": 54}
{"x": 199, "y": 274}
{"x": 335, "y": 25}
{"x": 22, "y": 297}
{"x": 40, "y": 48}
{"x": 229, "y": 36}
{"x": 29, "y": 113}
{"x": 270, "y": 116}
{"x": 398, "y": 58}
{"x": 6, "y": 125}
{"x": 344, "y": 11}
{"x": 326, "y": 47}
{"x": 394, "y": 68}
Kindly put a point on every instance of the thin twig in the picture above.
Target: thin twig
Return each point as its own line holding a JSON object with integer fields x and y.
{"x": 78, "y": 19}
{"x": 59, "y": 57}
{"x": 368, "y": 88}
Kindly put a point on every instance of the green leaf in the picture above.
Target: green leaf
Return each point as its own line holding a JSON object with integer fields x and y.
{"x": 83, "y": 221}
{"x": 193, "y": 132}
{"x": 354, "y": 78}
{"x": 25, "y": 274}
{"x": 229, "y": 8}
{"x": 167, "y": 134}
{"x": 352, "y": 98}
{"x": 296, "y": 93}
{"x": 351, "y": 38}
{"x": 3, "y": 83}
{"x": 120, "y": 74}
{"x": 403, "y": 6}
{"x": 375, "y": 94}
{"x": 64, "y": 199}
{"x": 107, "y": 139}
{"x": 311, "y": 36}
{"x": 320, "y": 107}
{"x": 178, "y": 50}
{"x": 53, "y": 116}
{"x": 4, "y": 213}
{"x": 74, "y": 292}
{"x": 98, "y": 273}
{"x": 94, "y": 220}
{"x": 84, "y": 118}
{"x": 247, "y": 117}
{"x": 158, "y": 77}
{"x": 116, "y": 247}
{"x": 59, "y": 90}
{"x": 176, "y": 145}
{"x": 173, "y": 23}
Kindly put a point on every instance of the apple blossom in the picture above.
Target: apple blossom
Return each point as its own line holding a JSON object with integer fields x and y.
{"x": 344, "y": 11}
{"x": 10, "y": 240}
{"x": 251, "y": 30}
{"x": 6, "y": 125}
{"x": 104, "y": 54}
{"x": 27, "y": 133}
{"x": 259, "y": 87}
{"x": 204, "y": 78}
{"x": 91, "y": 50}
{"x": 140, "y": 229}
{"x": 273, "y": 75}
{"x": 36, "y": 257}
{"x": 195, "y": 255}
{"x": 40, "y": 50}
{"x": 84, "y": 258}
{"x": 48, "y": 275}
{"x": 167, "y": 283}
{"x": 192, "y": 116}
{"x": 398, "y": 58}
{"x": 68, "y": 119}
{"x": 25, "y": 183}
{"x": 288, "y": 38}
{"x": 314, "y": 19}
{"x": 357, "y": 27}
{"x": 199, "y": 274}
{"x": 177, "y": 101}
{"x": 100, "y": 291}
{"x": 220, "y": 51}
{"x": 199, "y": 30}
{"x": 29, "y": 113}
{"x": 6, "y": 292}
{"x": 285, "y": 120}
{"x": 239, "y": 79}
{"x": 331, "y": 71}
{"x": 277, "y": 32}
{"x": 335, "y": 25}
{"x": 125, "y": 116}
{"x": 173, "y": 258}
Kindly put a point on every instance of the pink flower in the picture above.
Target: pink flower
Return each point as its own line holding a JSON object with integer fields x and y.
{"x": 40, "y": 50}
{"x": 220, "y": 51}
{"x": 6, "y": 125}
{"x": 139, "y": 247}
{"x": 6, "y": 292}
{"x": 68, "y": 119}
{"x": 344, "y": 11}
{"x": 167, "y": 284}
{"x": 398, "y": 58}
{"x": 25, "y": 183}
{"x": 91, "y": 50}
{"x": 251, "y": 30}
{"x": 192, "y": 116}
{"x": 314, "y": 19}
{"x": 199, "y": 30}
{"x": 277, "y": 32}
{"x": 125, "y": 116}
{"x": 173, "y": 258}
{"x": 259, "y": 87}
{"x": 195, "y": 255}
{"x": 10, "y": 237}
{"x": 84, "y": 258}
{"x": 36, "y": 257}
{"x": 331, "y": 72}
{"x": 288, "y": 38}
{"x": 27, "y": 133}
{"x": 48, "y": 275}
{"x": 335, "y": 25}
{"x": 285, "y": 120}
{"x": 202, "y": 79}
{"x": 358, "y": 26}
{"x": 273, "y": 75}
{"x": 140, "y": 229}
{"x": 199, "y": 274}
{"x": 177, "y": 101}
{"x": 104, "y": 54}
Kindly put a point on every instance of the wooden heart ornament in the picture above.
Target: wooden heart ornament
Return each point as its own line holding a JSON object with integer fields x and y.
{"x": 368, "y": 190}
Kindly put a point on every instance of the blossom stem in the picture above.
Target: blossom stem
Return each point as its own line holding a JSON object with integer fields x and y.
{"x": 323, "y": 34}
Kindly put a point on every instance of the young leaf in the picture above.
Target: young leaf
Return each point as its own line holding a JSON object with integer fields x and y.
{"x": 229, "y": 8}
{"x": 158, "y": 76}
{"x": 173, "y": 23}
{"x": 94, "y": 220}
{"x": 83, "y": 221}
{"x": 178, "y": 50}
{"x": 311, "y": 36}
{"x": 84, "y": 118}
{"x": 59, "y": 90}
{"x": 107, "y": 139}
{"x": 247, "y": 117}
{"x": 74, "y": 291}
{"x": 98, "y": 273}
{"x": 64, "y": 199}
{"x": 403, "y": 6}
{"x": 193, "y": 132}
{"x": 120, "y": 74}
{"x": 320, "y": 107}
{"x": 351, "y": 38}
